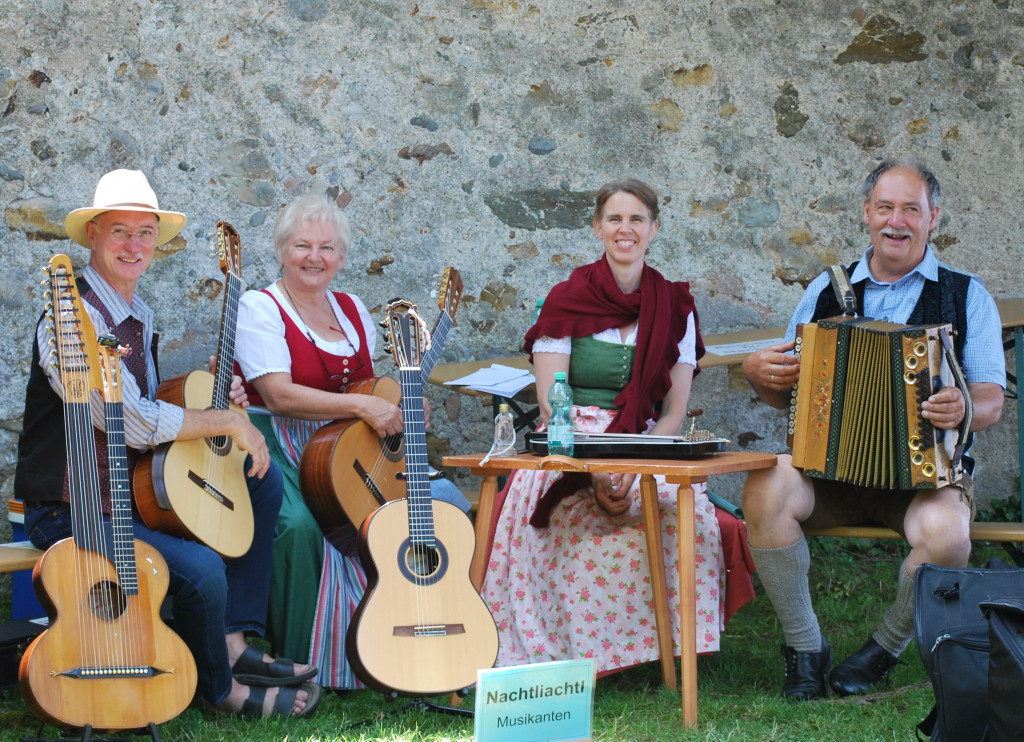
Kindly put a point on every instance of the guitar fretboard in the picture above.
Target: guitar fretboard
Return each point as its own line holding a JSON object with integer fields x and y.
{"x": 417, "y": 469}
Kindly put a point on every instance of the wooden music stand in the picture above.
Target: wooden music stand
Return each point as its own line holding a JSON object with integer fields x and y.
{"x": 681, "y": 473}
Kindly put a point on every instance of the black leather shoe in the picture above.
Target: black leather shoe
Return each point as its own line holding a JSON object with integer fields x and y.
{"x": 866, "y": 667}
{"x": 805, "y": 672}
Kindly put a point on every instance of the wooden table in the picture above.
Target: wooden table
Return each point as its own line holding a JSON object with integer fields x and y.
{"x": 681, "y": 473}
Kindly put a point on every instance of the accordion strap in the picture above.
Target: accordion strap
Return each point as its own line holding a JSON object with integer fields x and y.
{"x": 844, "y": 290}
{"x": 960, "y": 382}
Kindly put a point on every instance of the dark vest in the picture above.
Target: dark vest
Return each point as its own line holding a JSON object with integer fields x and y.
{"x": 42, "y": 454}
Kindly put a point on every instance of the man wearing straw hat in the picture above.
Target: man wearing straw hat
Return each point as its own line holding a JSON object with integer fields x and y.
{"x": 214, "y": 602}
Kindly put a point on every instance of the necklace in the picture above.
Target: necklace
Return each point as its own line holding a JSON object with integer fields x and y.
{"x": 295, "y": 306}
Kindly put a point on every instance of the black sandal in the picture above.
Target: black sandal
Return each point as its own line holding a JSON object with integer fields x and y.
{"x": 250, "y": 669}
{"x": 284, "y": 704}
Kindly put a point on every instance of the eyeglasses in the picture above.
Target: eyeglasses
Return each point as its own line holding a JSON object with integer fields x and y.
{"x": 122, "y": 236}
{"x": 348, "y": 371}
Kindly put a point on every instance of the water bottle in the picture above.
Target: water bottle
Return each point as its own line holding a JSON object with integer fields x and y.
{"x": 536, "y": 311}
{"x": 561, "y": 438}
{"x": 504, "y": 430}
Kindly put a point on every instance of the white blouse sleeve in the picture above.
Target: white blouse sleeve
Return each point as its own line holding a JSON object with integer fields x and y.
{"x": 260, "y": 346}
{"x": 688, "y": 345}
{"x": 553, "y": 345}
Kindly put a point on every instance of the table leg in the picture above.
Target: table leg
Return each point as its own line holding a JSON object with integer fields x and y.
{"x": 484, "y": 513}
{"x": 659, "y": 586}
{"x": 687, "y": 603}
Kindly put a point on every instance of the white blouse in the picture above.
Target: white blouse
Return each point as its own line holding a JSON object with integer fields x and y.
{"x": 260, "y": 346}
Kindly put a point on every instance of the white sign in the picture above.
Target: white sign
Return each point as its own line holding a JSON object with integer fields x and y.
{"x": 546, "y": 702}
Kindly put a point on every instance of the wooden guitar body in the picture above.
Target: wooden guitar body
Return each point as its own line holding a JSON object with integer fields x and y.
{"x": 422, "y": 628}
{"x": 106, "y": 660}
{"x": 196, "y": 489}
{"x": 347, "y": 471}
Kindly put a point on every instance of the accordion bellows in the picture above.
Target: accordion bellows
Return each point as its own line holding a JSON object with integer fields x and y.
{"x": 856, "y": 412}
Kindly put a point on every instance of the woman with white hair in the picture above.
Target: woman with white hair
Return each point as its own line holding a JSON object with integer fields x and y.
{"x": 299, "y": 345}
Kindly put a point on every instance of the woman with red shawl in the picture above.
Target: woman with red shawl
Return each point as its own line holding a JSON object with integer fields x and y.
{"x": 567, "y": 575}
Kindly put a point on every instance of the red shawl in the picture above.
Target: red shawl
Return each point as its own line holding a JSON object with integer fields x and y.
{"x": 591, "y": 301}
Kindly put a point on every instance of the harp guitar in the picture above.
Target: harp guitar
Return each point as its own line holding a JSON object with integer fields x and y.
{"x": 196, "y": 489}
{"x": 421, "y": 627}
{"x": 107, "y": 660}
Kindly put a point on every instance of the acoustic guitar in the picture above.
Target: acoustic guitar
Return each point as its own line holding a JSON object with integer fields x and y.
{"x": 107, "y": 660}
{"x": 347, "y": 471}
{"x": 196, "y": 489}
{"x": 421, "y": 627}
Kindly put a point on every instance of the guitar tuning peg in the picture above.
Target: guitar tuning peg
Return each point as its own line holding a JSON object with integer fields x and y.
{"x": 383, "y": 323}
{"x": 388, "y": 348}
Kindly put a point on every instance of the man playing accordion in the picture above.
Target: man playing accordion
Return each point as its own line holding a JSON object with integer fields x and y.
{"x": 898, "y": 279}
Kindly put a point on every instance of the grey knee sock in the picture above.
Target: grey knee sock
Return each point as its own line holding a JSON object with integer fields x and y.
{"x": 897, "y": 626}
{"x": 783, "y": 573}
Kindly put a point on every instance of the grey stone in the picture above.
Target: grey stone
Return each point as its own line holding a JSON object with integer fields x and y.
{"x": 542, "y": 145}
{"x": 424, "y": 122}
{"x": 542, "y": 209}
{"x": 756, "y": 213}
{"x": 308, "y": 10}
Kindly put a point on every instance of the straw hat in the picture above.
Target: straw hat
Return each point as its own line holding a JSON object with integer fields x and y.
{"x": 123, "y": 190}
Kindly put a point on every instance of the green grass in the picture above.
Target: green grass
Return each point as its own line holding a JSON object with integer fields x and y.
{"x": 739, "y": 687}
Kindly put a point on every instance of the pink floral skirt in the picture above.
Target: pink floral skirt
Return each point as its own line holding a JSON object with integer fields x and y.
{"x": 581, "y": 587}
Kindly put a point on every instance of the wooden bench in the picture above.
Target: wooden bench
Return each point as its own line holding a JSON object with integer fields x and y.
{"x": 18, "y": 556}
{"x": 980, "y": 531}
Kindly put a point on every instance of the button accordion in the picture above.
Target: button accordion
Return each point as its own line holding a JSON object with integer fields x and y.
{"x": 856, "y": 416}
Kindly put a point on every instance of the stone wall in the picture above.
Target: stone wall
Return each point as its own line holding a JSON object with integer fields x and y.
{"x": 474, "y": 134}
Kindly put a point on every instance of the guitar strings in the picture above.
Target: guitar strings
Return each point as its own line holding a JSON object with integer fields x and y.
{"x": 382, "y": 464}
{"x": 419, "y": 502}
{"x": 216, "y": 456}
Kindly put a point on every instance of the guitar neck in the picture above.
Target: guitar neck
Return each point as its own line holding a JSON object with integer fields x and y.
{"x": 437, "y": 337}
{"x": 417, "y": 469}
{"x": 226, "y": 342}
{"x": 120, "y": 498}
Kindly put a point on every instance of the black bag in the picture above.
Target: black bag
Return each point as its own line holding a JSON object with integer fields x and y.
{"x": 953, "y": 640}
{"x": 1005, "y": 668}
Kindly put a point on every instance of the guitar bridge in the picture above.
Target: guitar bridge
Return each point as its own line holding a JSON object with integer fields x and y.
{"x": 437, "y": 629}
{"x": 206, "y": 486}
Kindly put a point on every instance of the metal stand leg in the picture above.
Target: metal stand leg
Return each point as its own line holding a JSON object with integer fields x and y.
{"x": 416, "y": 704}
{"x": 86, "y": 735}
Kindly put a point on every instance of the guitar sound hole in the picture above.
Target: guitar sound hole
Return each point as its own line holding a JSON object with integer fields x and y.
{"x": 393, "y": 443}
{"x": 220, "y": 445}
{"x": 421, "y": 560}
{"x": 107, "y": 600}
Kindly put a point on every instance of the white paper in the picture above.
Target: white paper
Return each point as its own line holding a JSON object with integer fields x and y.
{"x": 503, "y": 381}
{"x": 751, "y": 346}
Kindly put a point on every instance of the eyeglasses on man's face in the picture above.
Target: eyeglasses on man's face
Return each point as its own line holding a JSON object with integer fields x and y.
{"x": 122, "y": 235}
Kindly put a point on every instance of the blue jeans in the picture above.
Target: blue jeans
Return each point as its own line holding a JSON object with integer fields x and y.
{"x": 212, "y": 596}
{"x": 445, "y": 490}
